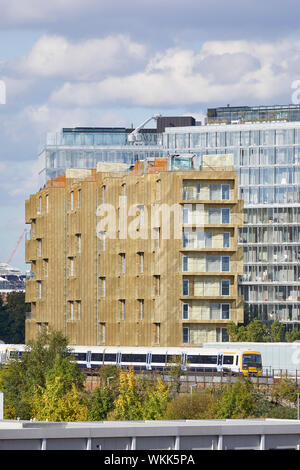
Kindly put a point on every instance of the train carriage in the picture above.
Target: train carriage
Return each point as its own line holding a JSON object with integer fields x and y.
{"x": 208, "y": 360}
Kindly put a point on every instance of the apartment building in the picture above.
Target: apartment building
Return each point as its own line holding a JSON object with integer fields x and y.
{"x": 137, "y": 257}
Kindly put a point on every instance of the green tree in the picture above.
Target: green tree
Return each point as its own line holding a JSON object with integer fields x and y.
{"x": 54, "y": 403}
{"x": 156, "y": 399}
{"x": 236, "y": 400}
{"x": 43, "y": 359}
{"x": 101, "y": 403}
{"x": 198, "y": 405}
{"x": 128, "y": 405}
{"x": 277, "y": 333}
{"x": 12, "y": 318}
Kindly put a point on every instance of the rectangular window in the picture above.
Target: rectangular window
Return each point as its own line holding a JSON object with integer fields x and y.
{"x": 103, "y": 333}
{"x": 103, "y": 194}
{"x": 225, "y": 287}
{"x": 225, "y": 264}
{"x": 102, "y": 286}
{"x": 79, "y": 198}
{"x": 185, "y": 287}
{"x": 71, "y": 267}
{"x": 72, "y": 200}
{"x": 141, "y": 261}
{"x": 123, "y": 263}
{"x": 225, "y": 216}
{"x": 71, "y": 317}
{"x": 185, "y": 215}
{"x": 123, "y": 308}
{"x": 39, "y": 289}
{"x": 157, "y": 285}
{"x": 45, "y": 267}
{"x": 185, "y": 263}
{"x": 47, "y": 203}
{"x": 226, "y": 240}
{"x": 78, "y": 236}
{"x": 220, "y": 311}
{"x": 141, "y": 302}
{"x": 185, "y": 335}
{"x": 78, "y": 309}
{"x": 225, "y": 192}
{"x": 185, "y": 311}
{"x": 39, "y": 250}
{"x": 156, "y": 333}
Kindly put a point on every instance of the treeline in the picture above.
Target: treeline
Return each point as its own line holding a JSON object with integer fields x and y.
{"x": 47, "y": 385}
{"x": 12, "y": 318}
{"x": 257, "y": 331}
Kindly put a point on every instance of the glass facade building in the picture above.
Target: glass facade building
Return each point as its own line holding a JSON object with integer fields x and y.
{"x": 265, "y": 142}
{"x": 267, "y": 160}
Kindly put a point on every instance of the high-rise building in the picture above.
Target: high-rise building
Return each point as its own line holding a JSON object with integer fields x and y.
{"x": 265, "y": 142}
{"x": 267, "y": 160}
{"x": 137, "y": 257}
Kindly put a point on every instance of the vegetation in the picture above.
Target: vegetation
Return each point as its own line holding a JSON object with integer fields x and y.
{"x": 256, "y": 331}
{"x": 12, "y": 318}
{"x": 46, "y": 384}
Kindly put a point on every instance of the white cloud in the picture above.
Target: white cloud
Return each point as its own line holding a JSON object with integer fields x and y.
{"x": 221, "y": 71}
{"x": 56, "y": 56}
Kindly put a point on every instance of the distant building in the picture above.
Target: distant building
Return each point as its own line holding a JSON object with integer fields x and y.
{"x": 167, "y": 275}
{"x": 11, "y": 279}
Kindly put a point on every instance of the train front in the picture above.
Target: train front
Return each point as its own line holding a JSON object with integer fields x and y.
{"x": 251, "y": 363}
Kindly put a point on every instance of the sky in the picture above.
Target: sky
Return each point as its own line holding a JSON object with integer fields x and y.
{"x": 71, "y": 63}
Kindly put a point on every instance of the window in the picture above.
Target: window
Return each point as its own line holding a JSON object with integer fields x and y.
{"x": 78, "y": 309}
{"x": 156, "y": 333}
{"x": 141, "y": 302}
{"x": 72, "y": 200}
{"x": 218, "y": 216}
{"x": 79, "y": 198}
{"x": 225, "y": 287}
{"x": 102, "y": 333}
{"x": 40, "y": 205}
{"x": 71, "y": 311}
{"x": 123, "y": 263}
{"x": 141, "y": 261}
{"x": 185, "y": 335}
{"x": 225, "y": 263}
{"x": 39, "y": 250}
{"x": 226, "y": 240}
{"x": 45, "y": 267}
{"x": 103, "y": 194}
{"x": 185, "y": 311}
{"x": 158, "y": 190}
{"x": 47, "y": 203}
{"x": 185, "y": 264}
{"x": 102, "y": 286}
{"x": 220, "y": 311}
{"x": 225, "y": 219}
{"x": 157, "y": 285}
{"x": 71, "y": 267}
{"x": 185, "y": 287}
{"x": 39, "y": 289}
{"x": 78, "y": 236}
{"x": 123, "y": 308}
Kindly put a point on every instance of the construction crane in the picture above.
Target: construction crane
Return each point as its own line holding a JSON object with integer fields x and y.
{"x": 17, "y": 246}
{"x": 133, "y": 136}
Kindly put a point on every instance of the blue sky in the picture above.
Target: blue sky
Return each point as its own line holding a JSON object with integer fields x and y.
{"x": 98, "y": 63}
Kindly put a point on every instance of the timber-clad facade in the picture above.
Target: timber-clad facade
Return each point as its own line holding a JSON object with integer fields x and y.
{"x": 135, "y": 258}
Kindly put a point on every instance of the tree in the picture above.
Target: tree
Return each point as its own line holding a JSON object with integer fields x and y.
{"x": 101, "y": 403}
{"x": 43, "y": 359}
{"x": 54, "y": 403}
{"x": 128, "y": 405}
{"x": 12, "y": 318}
{"x": 156, "y": 400}
{"x": 198, "y": 405}
{"x": 277, "y": 333}
{"x": 236, "y": 401}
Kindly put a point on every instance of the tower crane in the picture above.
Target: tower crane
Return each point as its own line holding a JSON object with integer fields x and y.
{"x": 17, "y": 246}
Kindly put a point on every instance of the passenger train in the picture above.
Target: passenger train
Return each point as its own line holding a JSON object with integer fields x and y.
{"x": 235, "y": 362}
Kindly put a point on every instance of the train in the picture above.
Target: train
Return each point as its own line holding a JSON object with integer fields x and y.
{"x": 209, "y": 360}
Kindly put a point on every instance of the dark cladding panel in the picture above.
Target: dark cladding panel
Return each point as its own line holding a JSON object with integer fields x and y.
{"x": 175, "y": 121}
